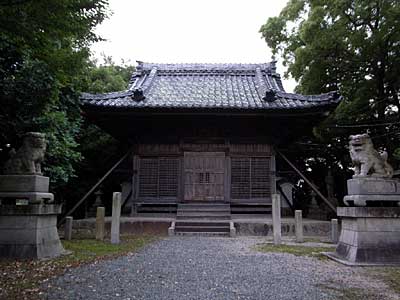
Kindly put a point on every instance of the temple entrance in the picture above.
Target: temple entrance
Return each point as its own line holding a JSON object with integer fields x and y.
{"x": 204, "y": 174}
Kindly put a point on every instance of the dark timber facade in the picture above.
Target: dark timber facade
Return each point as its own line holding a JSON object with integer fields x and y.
{"x": 205, "y": 132}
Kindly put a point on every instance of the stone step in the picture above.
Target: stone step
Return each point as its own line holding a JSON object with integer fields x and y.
{"x": 204, "y": 203}
{"x": 251, "y": 209}
{"x": 202, "y": 223}
{"x": 199, "y": 206}
{"x": 203, "y": 213}
{"x": 203, "y": 217}
{"x": 205, "y": 209}
{"x": 201, "y": 229}
{"x": 206, "y": 217}
{"x": 211, "y": 234}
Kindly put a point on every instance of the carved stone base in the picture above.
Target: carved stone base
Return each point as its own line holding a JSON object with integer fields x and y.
{"x": 370, "y": 200}
{"x": 372, "y": 191}
{"x": 24, "y": 183}
{"x": 369, "y": 236}
{"x": 30, "y": 197}
{"x": 29, "y": 231}
{"x": 32, "y": 189}
{"x": 373, "y": 186}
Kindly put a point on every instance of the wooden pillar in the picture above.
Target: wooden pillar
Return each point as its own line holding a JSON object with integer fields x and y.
{"x": 181, "y": 174}
{"x": 227, "y": 180}
{"x": 273, "y": 171}
{"x": 135, "y": 186}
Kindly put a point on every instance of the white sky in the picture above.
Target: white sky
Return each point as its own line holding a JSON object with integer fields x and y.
{"x": 191, "y": 31}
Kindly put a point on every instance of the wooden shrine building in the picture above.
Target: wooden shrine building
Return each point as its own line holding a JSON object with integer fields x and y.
{"x": 205, "y": 132}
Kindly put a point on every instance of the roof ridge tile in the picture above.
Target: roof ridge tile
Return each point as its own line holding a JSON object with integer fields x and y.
{"x": 207, "y": 86}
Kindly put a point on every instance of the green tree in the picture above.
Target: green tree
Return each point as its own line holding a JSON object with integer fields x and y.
{"x": 108, "y": 76}
{"x": 44, "y": 46}
{"x": 96, "y": 145}
{"x": 99, "y": 150}
{"x": 352, "y": 46}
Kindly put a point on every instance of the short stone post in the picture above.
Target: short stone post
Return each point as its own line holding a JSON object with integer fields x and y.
{"x": 334, "y": 231}
{"x": 100, "y": 223}
{"x": 276, "y": 218}
{"x": 68, "y": 228}
{"x": 115, "y": 220}
{"x": 171, "y": 229}
{"x": 299, "y": 226}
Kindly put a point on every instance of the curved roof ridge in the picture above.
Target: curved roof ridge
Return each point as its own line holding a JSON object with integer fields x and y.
{"x": 206, "y": 66}
{"x": 310, "y": 97}
{"x": 209, "y": 86}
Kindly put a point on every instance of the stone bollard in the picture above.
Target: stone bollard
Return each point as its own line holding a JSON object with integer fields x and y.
{"x": 276, "y": 218}
{"x": 334, "y": 231}
{"x": 299, "y": 226}
{"x": 171, "y": 229}
{"x": 115, "y": 221}
{"x": 68, "y": 228}
{"x": 100, "y": 223}
{"x": 232, "y": 229}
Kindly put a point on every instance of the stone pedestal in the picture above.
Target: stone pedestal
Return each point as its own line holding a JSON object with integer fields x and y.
{"x": 369, "y": 236}
{"x": 29, "y": 231}
{"x": 33, "y": 189}
{"x": 372, "y": 191}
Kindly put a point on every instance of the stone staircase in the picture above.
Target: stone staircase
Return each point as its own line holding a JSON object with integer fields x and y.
{"x": 201, "y": 219}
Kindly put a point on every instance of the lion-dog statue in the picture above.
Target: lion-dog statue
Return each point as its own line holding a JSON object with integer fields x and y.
{"x": 366, "y": 160}
{"x": 27, "y": 160}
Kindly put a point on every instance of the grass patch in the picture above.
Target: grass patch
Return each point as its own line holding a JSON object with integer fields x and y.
{"x": 295, "y": 250}
{"x": 391, "y": 276}
{"x": 86, "y": 250}
{"x": 316, "y": 240}
{"x": 22, "y": 279}
{"x": 348, "y": 293}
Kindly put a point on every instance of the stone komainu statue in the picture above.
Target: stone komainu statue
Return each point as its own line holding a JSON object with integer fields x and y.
{"x": 366, "y": 160}
{"x": 28, "y": 158}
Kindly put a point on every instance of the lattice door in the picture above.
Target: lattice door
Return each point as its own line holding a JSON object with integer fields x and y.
{"x": 204, "y": 176}
{"x": 158, "y": 178}
{"x": 250, "y": 178}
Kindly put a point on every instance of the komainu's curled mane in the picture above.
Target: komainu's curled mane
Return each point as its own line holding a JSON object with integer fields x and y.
{"x": 366, "y": 160}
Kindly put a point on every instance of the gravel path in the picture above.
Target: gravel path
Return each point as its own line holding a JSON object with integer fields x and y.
{"x": 211, "y": 268}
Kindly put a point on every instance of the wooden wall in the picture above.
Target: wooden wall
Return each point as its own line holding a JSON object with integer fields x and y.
{"x": 247, "y": 168}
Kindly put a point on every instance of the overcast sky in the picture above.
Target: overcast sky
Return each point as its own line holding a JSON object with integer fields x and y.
{"x": 189, "y": 31}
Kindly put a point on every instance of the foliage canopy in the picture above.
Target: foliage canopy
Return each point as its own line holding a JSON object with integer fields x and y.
{"x": 44, "y": 55}
{"x": 352, "y": 46}
{"x": 98, "y": 149}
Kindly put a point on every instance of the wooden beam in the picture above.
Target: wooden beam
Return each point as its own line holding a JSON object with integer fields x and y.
{"x": 313, "y": 186}
{"x": 94, "y": 187}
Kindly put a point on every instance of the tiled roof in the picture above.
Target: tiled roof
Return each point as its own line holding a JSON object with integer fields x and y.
{"x": 207, "y": 86}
